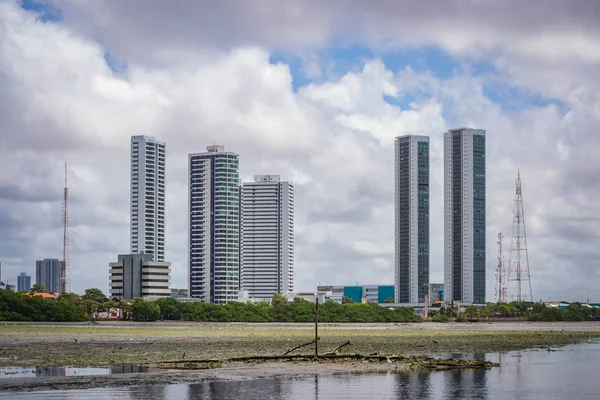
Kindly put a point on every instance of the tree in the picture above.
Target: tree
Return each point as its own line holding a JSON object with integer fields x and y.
{"x": 472, "y": 312}
{"x": 278, "y": 300}
{"x": 37, "y": 288}
{"x": 389, "y": 300}
{"x": 169, "y": 308}
{"x": 146, "y": 311}
{"x": 95, "y": 295}
{"x": 347, "y": 300}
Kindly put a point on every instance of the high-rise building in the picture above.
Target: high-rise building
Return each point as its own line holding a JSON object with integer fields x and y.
{"x": 48, "y": 273}
{"x": 214, "y": 225}
{"x": 464, "y": 216}
{"x": 148, "y": 197}
{"x": 23, "y": 282}
{"x": 136, "y": 275}
{"x": 411, "y": 219}
{"x": 267, "y": 236}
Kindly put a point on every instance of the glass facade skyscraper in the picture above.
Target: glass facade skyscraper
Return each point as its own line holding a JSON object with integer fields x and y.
{"x": 214, "y": 225}
{"x": 411, "y": 253}
{"x": 464, "y": 215}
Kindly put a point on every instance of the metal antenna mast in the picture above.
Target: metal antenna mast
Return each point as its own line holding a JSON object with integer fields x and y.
{"x": 500, "y": 273}
{"x": 64, "y": 280}
{"x": 518, "y": 267}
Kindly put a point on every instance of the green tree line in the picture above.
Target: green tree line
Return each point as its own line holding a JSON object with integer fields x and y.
{"x": 537, "y": 312}
{"x": 72, "y": 307}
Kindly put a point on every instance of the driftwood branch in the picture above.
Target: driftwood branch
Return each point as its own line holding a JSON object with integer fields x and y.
{"x": 334, "y": 351}
{"x": 299, "y": 347}
{"x": 423, "y": 362}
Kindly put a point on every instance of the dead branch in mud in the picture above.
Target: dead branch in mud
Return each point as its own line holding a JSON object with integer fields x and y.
{"x": 415, "y": 362}
{"x": 299, "y": 347}
{"x": 334, "y": 351}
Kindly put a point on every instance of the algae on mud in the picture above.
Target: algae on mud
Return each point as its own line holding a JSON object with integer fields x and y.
{"x": 107, "y": 346}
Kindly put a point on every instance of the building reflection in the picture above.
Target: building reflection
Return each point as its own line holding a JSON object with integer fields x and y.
{"x": 147, "y": 392}
{"x": 254, "y": 389}
{"x": 413, "y": 385}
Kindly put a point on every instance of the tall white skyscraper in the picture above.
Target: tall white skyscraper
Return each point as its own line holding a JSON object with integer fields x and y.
{"x": 267, "y": 236}
{"x": 148, "y": 197}
{"x": 214, "y": 225}
{"x": 464, "y": 216}
{"x": 411, "y": 219}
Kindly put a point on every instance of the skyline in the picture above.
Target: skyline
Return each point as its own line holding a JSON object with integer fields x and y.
{"x": 317, "y": 103}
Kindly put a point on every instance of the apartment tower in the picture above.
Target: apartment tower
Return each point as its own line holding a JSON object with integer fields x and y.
{"x": 411, "y": 254}
{"x": 267, "y": 236}
{"x": 148, "y": 197}
{"x": 48, "y": 273}
{"x": 214, "y": 225}
{"x": 464, "y": 216}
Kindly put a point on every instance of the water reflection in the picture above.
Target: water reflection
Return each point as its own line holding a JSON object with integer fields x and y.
{"x": 538, "y": 374}
{"x": 39, "y": 372}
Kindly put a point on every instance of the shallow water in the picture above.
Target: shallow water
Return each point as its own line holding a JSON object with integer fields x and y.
{"x": 40, "y": 372}
{"x": 569, "y": 373}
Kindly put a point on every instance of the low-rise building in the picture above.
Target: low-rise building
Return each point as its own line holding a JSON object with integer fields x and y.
{"x": 436, "y": 292}
{"x": 136, "y": 275}
{"x": 360, "y": 294}
{"x": 179, "y": 293}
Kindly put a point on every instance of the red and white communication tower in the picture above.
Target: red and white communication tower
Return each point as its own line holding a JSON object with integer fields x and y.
{"x": 518, "y": 266}
{"x": 500, "y": 273}
{"x": 65, "y": 284}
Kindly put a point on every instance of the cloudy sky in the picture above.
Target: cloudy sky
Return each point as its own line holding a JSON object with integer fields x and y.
{"x": 315, "y": 91}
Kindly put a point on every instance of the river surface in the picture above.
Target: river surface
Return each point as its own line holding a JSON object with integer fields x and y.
{"x": 569, "y": 372}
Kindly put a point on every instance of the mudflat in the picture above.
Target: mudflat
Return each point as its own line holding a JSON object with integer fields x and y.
{"x": 115, "y": 343}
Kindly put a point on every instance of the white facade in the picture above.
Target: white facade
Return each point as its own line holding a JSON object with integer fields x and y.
{"x": 464, "y": 218}
{"x": 411, "y": 206}
{"x": 148, "y": 197}
{"x": 214, "y": 226}
{"x": 267, "y": 236}
{"x": 135, "y": 275}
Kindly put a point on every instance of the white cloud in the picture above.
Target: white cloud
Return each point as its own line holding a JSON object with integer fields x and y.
{"x": 333, "y": 138}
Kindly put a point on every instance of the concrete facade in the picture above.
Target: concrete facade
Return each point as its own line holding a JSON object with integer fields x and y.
{"x": 23, "y": 282}
{"x": 214, "y": 226}
{"x": 464, "y": 216}
{"x": 48, "y": 273}
{"x": 148, "y": 197}
{"x": 136, "y": 275}
{"x": 411, "y": 250}
{"x": 267, "y": 236}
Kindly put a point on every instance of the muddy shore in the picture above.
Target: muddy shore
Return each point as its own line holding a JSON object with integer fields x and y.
{"x": 110, "y": 344}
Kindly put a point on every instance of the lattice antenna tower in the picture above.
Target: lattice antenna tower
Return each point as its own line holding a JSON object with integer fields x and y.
{"x": 500, "y": 293}
{"x": 65, "y": 283}
{"x": 518, "y": 270}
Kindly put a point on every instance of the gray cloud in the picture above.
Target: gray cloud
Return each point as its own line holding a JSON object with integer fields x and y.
{"x": 334, "y": 138}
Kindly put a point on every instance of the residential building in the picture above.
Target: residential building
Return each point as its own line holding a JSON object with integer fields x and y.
{"x": 267, "y": 236}
{"x": 214, "y": 225}
{"x": 464, "y": 216}
{"x": 23, "y": 282}
{"x": 136, "y": 275}
{"x": 436, "y": 292}
{"x": 148, "y": 197}
{"x": 48, "y": 273}
{"x": 411, "y": 254}
{"x": 360, "y": 294}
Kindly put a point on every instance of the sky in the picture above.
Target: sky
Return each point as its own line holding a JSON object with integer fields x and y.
{"x": 315, "y": 92}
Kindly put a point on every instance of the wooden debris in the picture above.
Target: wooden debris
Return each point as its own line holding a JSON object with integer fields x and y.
{"x": 299, "y": 347}
{"x": 334, "y": 351}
